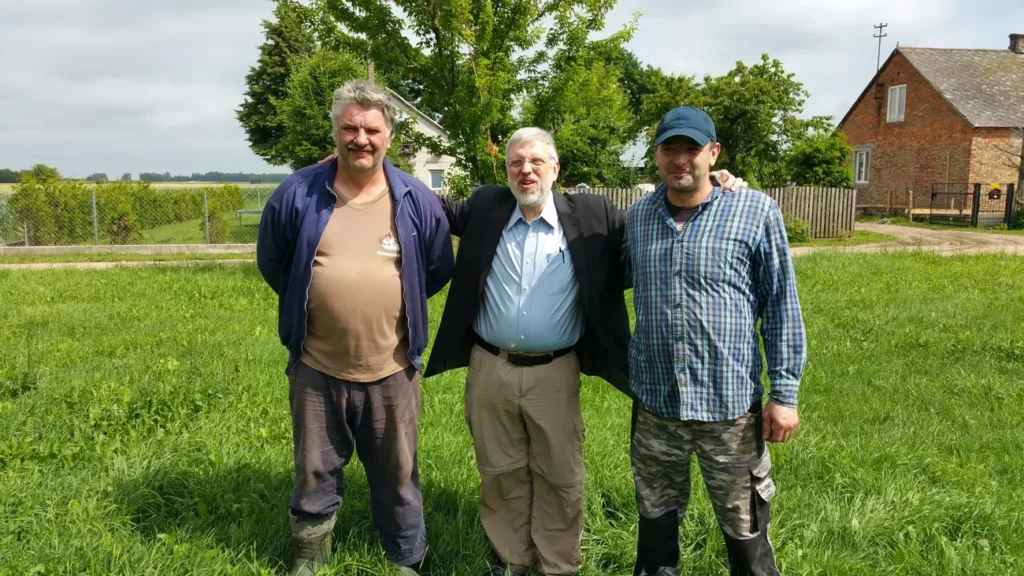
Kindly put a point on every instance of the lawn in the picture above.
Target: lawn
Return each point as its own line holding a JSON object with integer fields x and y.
{"x": 859, "y": 237}
{"x": 123, "y": 257}
{"x": 918, "y": 223}
{"x": 144, "y": 430}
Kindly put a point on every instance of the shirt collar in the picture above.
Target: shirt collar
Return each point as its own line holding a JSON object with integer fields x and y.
{"x": 662, "y": 190}
{"x": 549, "y": 214}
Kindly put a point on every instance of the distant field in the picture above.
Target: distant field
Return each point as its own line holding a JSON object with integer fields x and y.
{"x": 177, "y": 185}
{"x": 7, "y": 188}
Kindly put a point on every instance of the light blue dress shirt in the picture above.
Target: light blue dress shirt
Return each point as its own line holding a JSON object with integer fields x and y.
{"x": 531, "y": 298}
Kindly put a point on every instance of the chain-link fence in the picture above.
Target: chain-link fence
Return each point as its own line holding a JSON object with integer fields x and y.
{"x": 71, "y": 213}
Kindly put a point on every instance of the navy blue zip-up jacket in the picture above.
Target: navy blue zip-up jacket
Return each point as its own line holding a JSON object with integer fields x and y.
{"x": 294, "y": 219}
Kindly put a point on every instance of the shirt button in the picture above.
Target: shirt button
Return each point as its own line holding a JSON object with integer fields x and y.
{"x": 678, "y": 305}
{"x": 526, "y": 287}
{"x": 524, "y": 312}
{"x": 527, "y": 261}
{"x": 679, "y": 273}
{"x": 522, "y": 337}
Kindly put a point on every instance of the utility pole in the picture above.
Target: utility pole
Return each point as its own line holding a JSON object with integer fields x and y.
{"x": 880, "y": 35}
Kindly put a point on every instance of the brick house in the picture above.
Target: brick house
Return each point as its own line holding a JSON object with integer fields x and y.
{"x": 938, "y": 120}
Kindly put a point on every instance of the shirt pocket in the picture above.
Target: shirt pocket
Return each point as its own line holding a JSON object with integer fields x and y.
{"x": 707, "y": 266}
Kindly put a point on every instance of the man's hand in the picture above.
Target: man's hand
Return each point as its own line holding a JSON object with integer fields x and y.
{"x": 329, "y": 158}
{"x": 729, "y": 182}
{"x": 780, "y": 422}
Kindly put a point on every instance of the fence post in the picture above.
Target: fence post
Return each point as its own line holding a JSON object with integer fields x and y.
{"x": 976, "y": 205}
{"x": 910, "y": 205}
{"x": 206, "y": 218}
{"x": 1010, "y": 204}
{"x": 259, "y": 198}
{"x": 95, "y": 222}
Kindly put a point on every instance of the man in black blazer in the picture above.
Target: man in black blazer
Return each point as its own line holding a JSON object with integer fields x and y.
{"x": 536, "y": 299}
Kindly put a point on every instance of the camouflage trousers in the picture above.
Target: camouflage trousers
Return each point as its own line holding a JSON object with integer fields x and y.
{"x": 735, "y": 465}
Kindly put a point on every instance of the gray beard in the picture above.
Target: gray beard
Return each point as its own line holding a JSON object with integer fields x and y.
{"x": 536, "y": 201}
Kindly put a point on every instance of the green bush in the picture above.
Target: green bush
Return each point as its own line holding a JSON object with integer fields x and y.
{"x": 1018, "y": 219}
{"x": 797, "y": 229}
{"x": 60, "y": 213}
{"x": 221, "y": 201}
{"x": 9, "y": 229}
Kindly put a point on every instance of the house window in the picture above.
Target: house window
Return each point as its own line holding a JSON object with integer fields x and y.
{"x": 861, "y": 164}
{"x": 897, "y": 103}
{"x": 436, "y": 179}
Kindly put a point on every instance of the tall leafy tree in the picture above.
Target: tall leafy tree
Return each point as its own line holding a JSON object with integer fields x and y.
{"x": 289, "y": 40}
{"x": 822, "y": 158}
{"x": 470, "y": 60}
{"x": 8, "y": 176}
{"x": 582, "y": 101}
{"x": 41, "y": 173}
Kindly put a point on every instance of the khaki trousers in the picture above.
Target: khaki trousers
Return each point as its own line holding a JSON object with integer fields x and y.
{"x": 528, "y": 436}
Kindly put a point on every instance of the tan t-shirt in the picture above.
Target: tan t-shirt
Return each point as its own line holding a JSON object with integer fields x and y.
{"x": 356, "y": 324}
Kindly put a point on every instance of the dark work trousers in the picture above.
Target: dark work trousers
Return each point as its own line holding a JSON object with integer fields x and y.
{"x": 748, "y": 495}
{"x": 333, "y": 418}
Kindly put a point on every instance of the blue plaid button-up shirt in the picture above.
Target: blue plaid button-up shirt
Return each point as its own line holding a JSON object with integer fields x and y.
{"x": 698, "y": 295}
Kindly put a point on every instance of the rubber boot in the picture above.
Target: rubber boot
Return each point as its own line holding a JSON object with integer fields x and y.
{"x": 311, "y": 544}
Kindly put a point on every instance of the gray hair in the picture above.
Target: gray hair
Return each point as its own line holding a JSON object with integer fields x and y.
{"x": 365, "y": 95}
{"x": 531, "y": 134}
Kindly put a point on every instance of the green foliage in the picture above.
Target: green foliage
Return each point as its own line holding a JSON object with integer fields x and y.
{"x": 9, "y": 229}
{"x": 288, "y": 41}
{"x": 1018, "y": 218}
{"x": 798, "y": 230}
{"x": 41, "y": 173}
{"x": 59, "y": 213}
{"x": 8, "y": 176}
{"x": 822, "y": 158}
{"x": 221, "y": 202}
{"x": 98, "y": 177}
{"x": 458, "y": 184}
{"x": 307, "y": 103}
{"x": 756, "y": 109}
{"x": 583, "y": 103}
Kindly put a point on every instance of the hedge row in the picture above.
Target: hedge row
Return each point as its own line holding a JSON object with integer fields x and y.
{"x": 59, "y": 213}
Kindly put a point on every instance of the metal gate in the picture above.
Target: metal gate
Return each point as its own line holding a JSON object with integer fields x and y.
{"x": 971, "y": 204}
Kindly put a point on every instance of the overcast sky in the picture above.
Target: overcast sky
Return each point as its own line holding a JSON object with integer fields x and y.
{"x": 130, "y": 86}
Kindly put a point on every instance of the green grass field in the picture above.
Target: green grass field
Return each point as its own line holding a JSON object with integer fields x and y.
{"x": 117, "y": 257}
{"x": 918, "y": 223}
{"x": 144, "y": 430}
{"x": 859, "y": 237}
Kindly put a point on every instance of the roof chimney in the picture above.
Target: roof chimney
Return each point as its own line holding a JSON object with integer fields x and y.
{"x": 1017, "y": 43}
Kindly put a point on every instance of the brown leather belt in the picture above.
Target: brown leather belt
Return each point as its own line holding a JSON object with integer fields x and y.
{"x": 517, "y": 359}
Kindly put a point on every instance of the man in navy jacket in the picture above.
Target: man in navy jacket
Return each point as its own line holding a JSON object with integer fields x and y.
{"x": 354, "y": 248}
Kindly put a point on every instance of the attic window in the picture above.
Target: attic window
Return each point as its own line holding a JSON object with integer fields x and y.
{"x": 897, "y": 104}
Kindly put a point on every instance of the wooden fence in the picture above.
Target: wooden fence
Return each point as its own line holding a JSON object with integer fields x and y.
{"x": 830, "y": 212}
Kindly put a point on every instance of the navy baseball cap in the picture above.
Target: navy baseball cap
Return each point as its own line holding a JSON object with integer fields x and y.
{"x": 686, "y": 121}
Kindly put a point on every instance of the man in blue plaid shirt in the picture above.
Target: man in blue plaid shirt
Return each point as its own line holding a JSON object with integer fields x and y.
{"x": 706, "y": 267}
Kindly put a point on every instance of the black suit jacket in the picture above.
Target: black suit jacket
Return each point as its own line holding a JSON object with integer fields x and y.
{"x": 593, "y": 228}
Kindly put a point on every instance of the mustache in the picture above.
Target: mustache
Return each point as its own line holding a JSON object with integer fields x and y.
{"x": 366, "y": 148}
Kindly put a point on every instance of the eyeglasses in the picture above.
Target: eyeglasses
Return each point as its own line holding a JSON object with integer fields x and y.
{"x": 535, "y": 162}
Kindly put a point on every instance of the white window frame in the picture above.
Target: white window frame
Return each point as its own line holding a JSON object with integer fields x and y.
{"x": 857, "y": 175}
{"x": 896, "y": 109}
{"x": 432, "y": 172}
